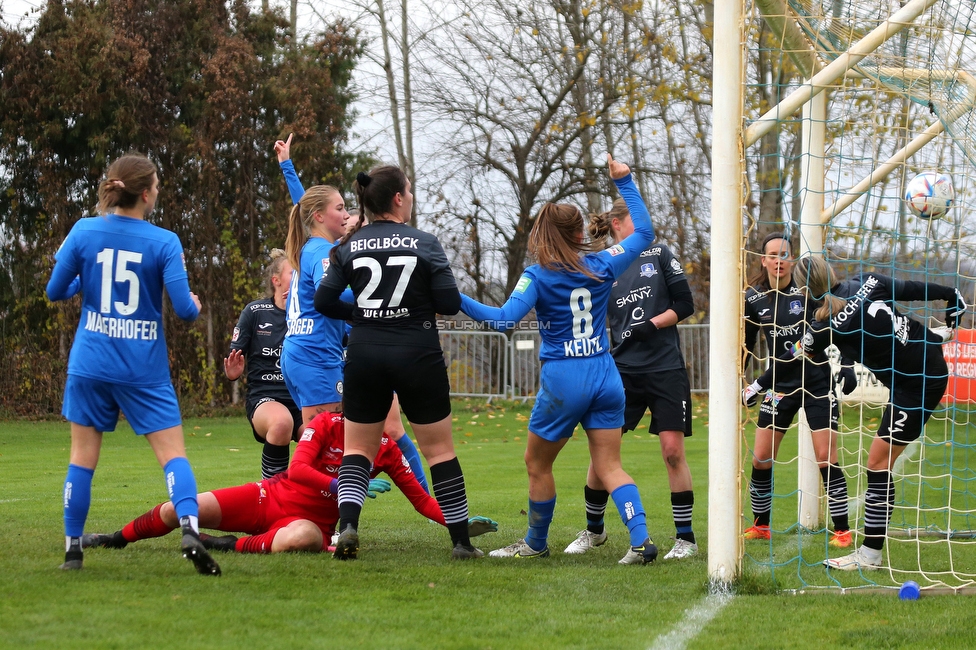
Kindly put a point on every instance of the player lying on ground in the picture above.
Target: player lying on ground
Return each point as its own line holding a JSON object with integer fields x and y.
{"x": 292, "y": 511}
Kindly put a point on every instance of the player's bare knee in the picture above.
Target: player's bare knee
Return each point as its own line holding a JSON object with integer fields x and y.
{"x": 168, "y": 514}
{"x": 279, "y": 433}
{"x": 299, "y": 536}
{"x": 674, "y": 458}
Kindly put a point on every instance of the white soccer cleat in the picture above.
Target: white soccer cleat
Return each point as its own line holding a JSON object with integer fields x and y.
{"x": 864, "y": 558}
{"x": 682, "y": 549}
{"x": 519, "y": 549}
{"x": 585, "y": 540}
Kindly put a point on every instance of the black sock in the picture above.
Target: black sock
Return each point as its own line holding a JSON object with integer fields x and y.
{"x": 682, "y": 504}
{"x": 835, "y": 487}
{"x": 879, "y": 500}
{"x": 274, "y": 459}
{"x": 596, "y": 505}
{"x": 761, "y": 491}
{"x": 73, "y": 549}
{"x": 448, "y": 483}
{"x": 353, "y": 483}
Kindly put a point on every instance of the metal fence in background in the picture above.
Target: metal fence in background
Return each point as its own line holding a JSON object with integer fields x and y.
{"x": 492, "y": 365}
{"x": 477, "y": 363}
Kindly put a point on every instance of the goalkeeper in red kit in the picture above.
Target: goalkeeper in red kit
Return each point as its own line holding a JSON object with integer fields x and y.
{"x": 296, "y": 510}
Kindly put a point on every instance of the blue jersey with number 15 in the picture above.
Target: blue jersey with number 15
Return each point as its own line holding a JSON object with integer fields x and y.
{"x": 572, "y": 307}
{"x": 121, "y": 265}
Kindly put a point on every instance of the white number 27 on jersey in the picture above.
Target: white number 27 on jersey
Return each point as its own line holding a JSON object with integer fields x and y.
{"x": 365, "y": 300}
{"x": 122, "y": 274}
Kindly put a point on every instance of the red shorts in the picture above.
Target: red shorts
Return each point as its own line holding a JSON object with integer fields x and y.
{"x": 253, "y": 509}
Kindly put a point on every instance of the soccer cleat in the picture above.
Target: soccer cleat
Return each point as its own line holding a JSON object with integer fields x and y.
{"x": 863, "y": 558}
{"x": 841, "y": 539}
{"x": 682, "y": 548}
{"x": 520, "y": 549}
{"x": 462, "y": 552}
{"x": 194, "y": 550}
{"x": 222, "y": 543}
{"x": 347, "y": 544}
{"x": 113, "y": 540}
{"x": 757, "y": 532}
{"x": 585, "y": 540}
{"x": 72, "y": 561}
{"x": 643, "y": 554}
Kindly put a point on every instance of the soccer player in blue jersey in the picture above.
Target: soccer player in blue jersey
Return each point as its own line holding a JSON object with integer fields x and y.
{"x": 646, "y": 304}
{"x": 311, "y": 356}
{"x": 118, "y": 360}
{"x": 394, "y": 425}
{"x": 569, "y": 289}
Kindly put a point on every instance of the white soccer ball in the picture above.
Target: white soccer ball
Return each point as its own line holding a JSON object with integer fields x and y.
{"x": 929, "y": 195}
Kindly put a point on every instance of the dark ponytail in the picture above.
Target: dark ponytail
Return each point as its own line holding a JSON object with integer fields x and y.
{"x": 375, "y": 192}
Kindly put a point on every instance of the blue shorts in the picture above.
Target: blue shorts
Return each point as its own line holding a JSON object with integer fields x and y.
{"x": 308, "y": 384}
{"x": 96, "y": 403}
{"x": 578, "y": 391}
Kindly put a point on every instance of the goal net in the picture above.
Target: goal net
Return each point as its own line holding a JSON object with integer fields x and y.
{"x": 898, "y": 84}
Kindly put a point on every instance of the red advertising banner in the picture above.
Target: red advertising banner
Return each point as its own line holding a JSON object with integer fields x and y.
{"x": 960, "y": 354}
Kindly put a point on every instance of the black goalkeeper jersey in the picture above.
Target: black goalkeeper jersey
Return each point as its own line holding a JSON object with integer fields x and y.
{"x": 400, "y": 278}
{"x": 640, "y": 293}
{"x": 259, "y": 334}
{"x": 782, "y": 316}
{"x": 871, "y": 330}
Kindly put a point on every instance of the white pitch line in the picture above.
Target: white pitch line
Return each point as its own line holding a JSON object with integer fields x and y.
{"x": 694, "y": 622}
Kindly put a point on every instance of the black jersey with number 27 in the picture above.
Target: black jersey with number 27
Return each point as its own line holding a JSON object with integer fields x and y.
{"x": 401, "y": 279}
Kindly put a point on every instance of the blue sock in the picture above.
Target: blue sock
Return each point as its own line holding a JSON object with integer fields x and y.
{"x": 77, "y": 499}
{"x": 182, "y": 486}
{"x": 409, "y": 451}
{"x": 628, "y": 502}
{"x": 540, "y": 516}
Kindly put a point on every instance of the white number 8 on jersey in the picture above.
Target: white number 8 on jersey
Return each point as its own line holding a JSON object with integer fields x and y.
{"x": 581, "y": 304}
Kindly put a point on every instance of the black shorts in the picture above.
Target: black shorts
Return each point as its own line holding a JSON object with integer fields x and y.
{"x": 666, "y": 393}
{"x": 777, "y": 411}
{"x": 417, "y": 374}
{"x": 252, "y": 404}
{"x": 912, "y": 404}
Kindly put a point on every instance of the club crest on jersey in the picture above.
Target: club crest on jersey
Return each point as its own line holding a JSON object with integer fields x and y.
{"x": 615, "y": 250}
{"x": 523, "y": 284}
{"x": 648, "y": 270}
{"x": 237, "y": 334}
{"x": 796, "y": 307}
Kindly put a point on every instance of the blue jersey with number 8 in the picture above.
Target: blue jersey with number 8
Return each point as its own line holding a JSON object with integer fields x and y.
{"x": 120, "y": 264}
{"x": 571, "y": 307}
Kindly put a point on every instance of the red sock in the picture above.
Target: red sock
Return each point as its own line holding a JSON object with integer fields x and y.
{"x": 146, "y": 526}
{"x": 256, "y": 543}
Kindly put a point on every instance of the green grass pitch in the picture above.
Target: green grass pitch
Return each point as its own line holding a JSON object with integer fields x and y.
{"x": 403, "y": 592}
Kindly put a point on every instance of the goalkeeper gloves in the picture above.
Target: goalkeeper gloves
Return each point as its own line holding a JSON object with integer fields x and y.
{"x": 943, "y": 333}
{"x": 955, "y": 311}
{"x": 377, "y": 485}
{"x": 750, "y": 394}
{"x": 481, "y": 525}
